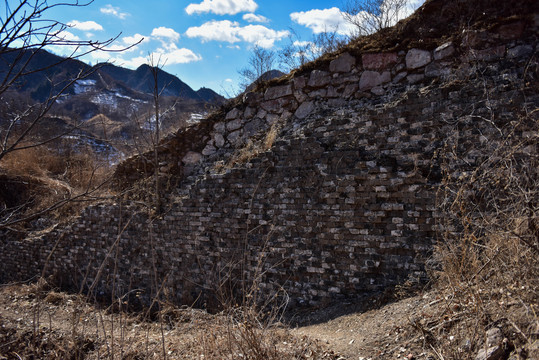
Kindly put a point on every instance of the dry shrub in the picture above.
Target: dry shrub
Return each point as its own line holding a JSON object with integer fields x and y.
{"x": 254, "y": 146}
{"x": 240, "y": 334}
{"x": 489, "y": 251}
{"x": 28, "y": 162}
{"x": 46, "y": 176}
{"x": 39, "y": 323}
{"x": 250, "y": 326}
{"x": 78, "y": 169}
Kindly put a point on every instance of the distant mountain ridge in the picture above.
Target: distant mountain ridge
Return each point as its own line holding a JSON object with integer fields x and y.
{"x": 142, "y": 80}
{"x": 106, "y": 76}
{"x": 115, "y": 104}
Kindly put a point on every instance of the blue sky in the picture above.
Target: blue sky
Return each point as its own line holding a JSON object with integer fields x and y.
{"x": 203, "y": 42}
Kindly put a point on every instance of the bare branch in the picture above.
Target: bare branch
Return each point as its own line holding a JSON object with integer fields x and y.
{"x": 26, "y": 31}
{"x": 370, "y": 16}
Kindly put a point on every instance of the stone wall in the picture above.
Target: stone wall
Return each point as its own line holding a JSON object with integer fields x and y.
{"x": 344, "y": 202}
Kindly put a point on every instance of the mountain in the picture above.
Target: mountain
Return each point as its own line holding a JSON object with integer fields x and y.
{"x": 267, "y": 76}
{"x": 142, "y": 80}
{"x": 47, "y": 72}
{"x": 210, "y": 95}
{"x": 108, "y": 105}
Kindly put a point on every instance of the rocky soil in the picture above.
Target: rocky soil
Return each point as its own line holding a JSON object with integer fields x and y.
{"x": 45, "y": 324}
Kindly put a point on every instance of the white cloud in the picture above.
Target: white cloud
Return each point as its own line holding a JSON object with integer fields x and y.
{"x": 261, "y": 35}
{"x": 232, "y": 32}
{"x": 222, "y": 7}
{"x": 255, "y": 18}
{"x": 66, "y": 36}
{"x": 178, "y": 56}
{"x": 165, "y": 56}
{"x": 225, "y": 30}
{"x": 303, "y": 43}
{"x": 100, "y": 56}
{"x": 85, "y": 25}
{"x": 408, "y": 10}
{"x": 167, "y": 33}
{"x": 65, "y": 44}
{"x": 320, "y": 21}
{"x": 114, "y": 11}
{"x": 130, "y": 63}
{"x": 135, "y": 39}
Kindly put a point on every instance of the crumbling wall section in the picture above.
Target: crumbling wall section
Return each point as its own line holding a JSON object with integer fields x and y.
{"x": 342, "y": 204}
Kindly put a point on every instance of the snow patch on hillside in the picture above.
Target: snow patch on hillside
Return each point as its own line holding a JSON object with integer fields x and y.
{"x": 195, "y": 118}
{"x": 83, "y": 86}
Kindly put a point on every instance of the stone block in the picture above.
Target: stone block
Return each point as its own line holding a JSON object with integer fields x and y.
{"x": 234, "y": 125}
{"x": 350, "y": 90}
{"x": 209, "y": 150}
{"x": 370, "y": 79}
{"x": 489, "y": 54}
{"x": 276, "y": 106}
{"x": 320, "y": 93}
{"x": 249, "y": 112}
{"x": 416, "y": 58}
{"x": 234, "y": 137}
{"x": 319, "y": 78}
{"x": 278, "y": 92}
{"x": 415, "y": 78}
{"x": 519, "y": 51}
{"x": 252, "y": 98}
{"x": 218, "y": 140}
{"x": 299, "y": 82}
{"x": 252, "y": 127}
{"x": 378, "y": 90}
{"x": 511, "y": 31}
{"x": 436, "y": 69}
{"x": 443, "y": 51}
{"x": 191, "y": 158}
{"x": 492, "y": 353}
{"x": 399, "y": 77}
{"x": 304, "y": 110}
{"x": 219, "y": 127}
{"x": 233, "y": 114}
{"x": 342, "y": 64}
{"x": 378, "y": 61}
{"x": 332, "y": 92}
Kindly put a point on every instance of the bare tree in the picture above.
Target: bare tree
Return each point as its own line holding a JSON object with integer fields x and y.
{"x": 155, "y": 68}
{"x": 298, "y": 52}
{"x": 25, "y": 31}
{"x": 370, "y": 16}
{"x": 260, "y": 62}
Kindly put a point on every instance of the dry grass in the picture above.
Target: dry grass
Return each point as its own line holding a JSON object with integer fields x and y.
{"x": 39, "y": 178}
{"x": 488, "y": 255}
{"x": 41, "y": 323}
{"x": 254, "y": 147}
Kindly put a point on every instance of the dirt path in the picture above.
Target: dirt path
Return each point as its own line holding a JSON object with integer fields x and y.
{"x": 385, "y": 333}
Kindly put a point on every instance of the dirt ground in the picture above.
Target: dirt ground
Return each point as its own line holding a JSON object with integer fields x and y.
{"x": 45, "y": 324}
{"x": 76, "y": 329}
{"x": 384, "y": 333}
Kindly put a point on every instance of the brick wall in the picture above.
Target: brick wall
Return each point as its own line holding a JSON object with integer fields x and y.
{"x": 344, "y": 202}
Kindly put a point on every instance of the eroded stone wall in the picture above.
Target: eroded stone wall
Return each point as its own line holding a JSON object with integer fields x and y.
{"x": 341, "y": 205}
